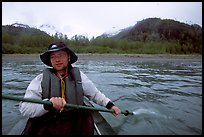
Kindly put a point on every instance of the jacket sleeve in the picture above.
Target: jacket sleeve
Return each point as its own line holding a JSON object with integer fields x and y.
{"x": 34, "y": 90}
{"x": 91, "y": 92}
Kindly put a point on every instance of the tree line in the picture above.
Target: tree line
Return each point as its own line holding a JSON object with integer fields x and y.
{"x": 168, "y": 39}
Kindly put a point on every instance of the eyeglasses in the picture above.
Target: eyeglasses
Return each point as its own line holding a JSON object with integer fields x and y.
{"x": 61, "y": 55}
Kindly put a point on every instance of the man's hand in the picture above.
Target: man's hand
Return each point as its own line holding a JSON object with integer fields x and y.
{"x": 117, "y": 111}
{"x": 58, "y": 103}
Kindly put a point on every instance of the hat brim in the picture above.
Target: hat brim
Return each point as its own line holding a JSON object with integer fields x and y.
{"x": 45, "y": 57}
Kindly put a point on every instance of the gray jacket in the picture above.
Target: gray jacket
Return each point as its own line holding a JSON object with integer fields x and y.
{"x": 34, "y": 90}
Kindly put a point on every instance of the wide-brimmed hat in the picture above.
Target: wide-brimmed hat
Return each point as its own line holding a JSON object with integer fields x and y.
{"x": 56, "y": 46}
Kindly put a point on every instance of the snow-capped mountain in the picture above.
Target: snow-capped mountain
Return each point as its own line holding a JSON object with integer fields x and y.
{"x": 49, "y": 29}
{"x": 52, "y": 30}
{"x": 113, "y": 31}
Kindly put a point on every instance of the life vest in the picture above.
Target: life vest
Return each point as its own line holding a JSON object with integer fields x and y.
{"x": 73, "y": 86}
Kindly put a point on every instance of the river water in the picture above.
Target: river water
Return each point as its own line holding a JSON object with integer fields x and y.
{"x": 165, "y": 94}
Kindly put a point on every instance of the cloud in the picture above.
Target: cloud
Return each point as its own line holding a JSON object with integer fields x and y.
{"x": 95, "y": 18}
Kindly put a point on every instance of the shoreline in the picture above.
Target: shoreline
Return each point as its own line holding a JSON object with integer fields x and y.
{"x": 117, "y": 55}
{"x": 186, "y": 59}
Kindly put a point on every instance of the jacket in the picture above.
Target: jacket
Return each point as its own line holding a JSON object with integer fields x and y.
{"x": 34, "y": 90}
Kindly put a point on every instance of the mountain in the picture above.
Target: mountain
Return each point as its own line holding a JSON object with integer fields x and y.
{"x": 181, "y": 38}
{"x": 161, "y": 29}
{"x": 20, "y": 25}
{"x": 21, "y": 38}
{"x": 17, "y": 29}
{"x": 114, "y": 31}
{"x": 50, "y": 29}
{"x": 188, "y": 37}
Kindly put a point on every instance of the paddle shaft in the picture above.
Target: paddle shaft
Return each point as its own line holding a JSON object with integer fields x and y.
{"x": 32, "y": 100}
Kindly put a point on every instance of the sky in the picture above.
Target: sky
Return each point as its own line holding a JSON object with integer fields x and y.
{"x": 94, "y": 18}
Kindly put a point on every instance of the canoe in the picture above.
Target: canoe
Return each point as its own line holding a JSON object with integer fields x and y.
{"x": 101, "y": 126}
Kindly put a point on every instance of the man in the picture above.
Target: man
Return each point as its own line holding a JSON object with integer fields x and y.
{"x": 61, "y": 84}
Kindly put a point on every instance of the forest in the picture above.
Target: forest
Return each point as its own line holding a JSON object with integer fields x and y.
{"x": 149, "y": 36}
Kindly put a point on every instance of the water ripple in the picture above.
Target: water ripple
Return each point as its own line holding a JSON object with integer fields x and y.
{"x": 166, "y": 97}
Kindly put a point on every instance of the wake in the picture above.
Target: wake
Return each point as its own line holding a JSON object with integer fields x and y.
{"x": 147, "y": 112}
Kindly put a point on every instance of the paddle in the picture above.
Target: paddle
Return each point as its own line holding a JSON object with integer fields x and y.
{"x": 32, "y": 100}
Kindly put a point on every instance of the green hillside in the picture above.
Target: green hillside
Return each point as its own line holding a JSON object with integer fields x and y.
{"x": 149, "y": 36}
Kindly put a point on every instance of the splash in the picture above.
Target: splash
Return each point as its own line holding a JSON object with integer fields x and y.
{"x": 144, "y": 111}
{"x": 147, "y": 112}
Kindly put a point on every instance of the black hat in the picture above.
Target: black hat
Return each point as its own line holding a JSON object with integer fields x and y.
{"x": 56, "y": 46}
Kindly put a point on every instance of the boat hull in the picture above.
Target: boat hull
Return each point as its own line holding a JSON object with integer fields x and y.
{"x": 102, "y": 127}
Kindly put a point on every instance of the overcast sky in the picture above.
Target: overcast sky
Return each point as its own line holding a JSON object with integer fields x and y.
{"x": 95, "y": 18}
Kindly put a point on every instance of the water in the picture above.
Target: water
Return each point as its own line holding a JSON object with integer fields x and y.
{"x": 164, "y": 95}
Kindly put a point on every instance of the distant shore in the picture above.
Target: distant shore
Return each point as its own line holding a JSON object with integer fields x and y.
{"x": 126, "y": 57}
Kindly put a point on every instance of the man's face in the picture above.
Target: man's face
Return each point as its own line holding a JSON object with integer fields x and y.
{"x": 59, "y": 60}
